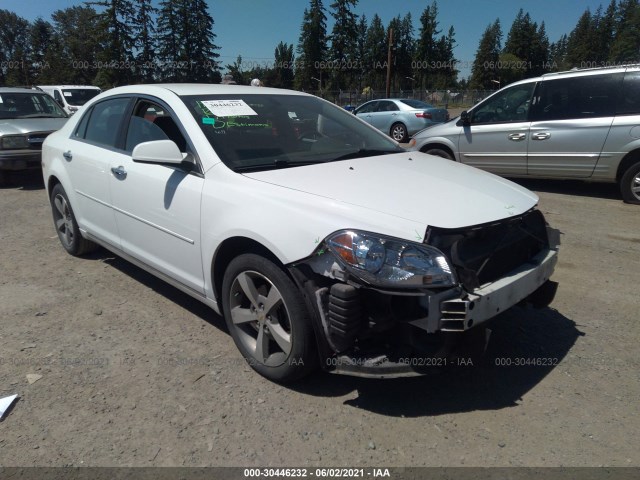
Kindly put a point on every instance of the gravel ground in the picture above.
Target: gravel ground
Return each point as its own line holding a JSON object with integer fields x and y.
{"x": 114, "y": 367}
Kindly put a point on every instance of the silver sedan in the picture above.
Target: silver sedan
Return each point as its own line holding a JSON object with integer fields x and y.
{"x": 401, "y": 118}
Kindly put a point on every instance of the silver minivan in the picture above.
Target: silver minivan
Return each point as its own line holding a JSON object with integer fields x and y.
{"x": 580, "y": 124}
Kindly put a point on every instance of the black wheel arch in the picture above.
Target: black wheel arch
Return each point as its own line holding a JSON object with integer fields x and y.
{"x": 628, "y": 161}
{"x": 235, "y": 246}
{"x": 439, "y": 146}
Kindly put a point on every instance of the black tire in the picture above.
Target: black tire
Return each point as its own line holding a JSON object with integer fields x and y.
{"x": 266, "y": 305}
{"x": 438, "y": 152}
{"x": 3, "y": 178}
{"x": 399, "y": 133}
{"x": 66, "y": 226}
{"x": 630, "y": 184}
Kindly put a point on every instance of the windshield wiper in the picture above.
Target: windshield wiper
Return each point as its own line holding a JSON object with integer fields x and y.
{"x": 363, "y": 152}
{"x": 278, "y": 163}
{"x": 40, "y": 115}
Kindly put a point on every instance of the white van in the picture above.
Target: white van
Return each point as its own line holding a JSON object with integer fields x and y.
{"x": 71, "y": 97}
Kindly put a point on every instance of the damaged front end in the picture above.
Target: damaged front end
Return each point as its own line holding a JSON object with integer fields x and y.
{"x": 391, "y": 307}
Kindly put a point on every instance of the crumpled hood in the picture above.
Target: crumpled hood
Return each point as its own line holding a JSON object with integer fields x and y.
{"x": 27, "y": 125}
{"x": 414, "y": 186}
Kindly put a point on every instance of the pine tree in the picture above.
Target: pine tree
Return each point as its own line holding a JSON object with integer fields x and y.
{"x": 626, "y": 45}
{"x": 312, "y": 48}
{"x": 283, "y": 66}
{"x": 484, "y": 70}
{"x": 344, "y": 36}
{"x": 115, "y": 58}
{"x": 375, "y": 54}
{"x": 40, "y": 42}
{"x": 519, "y": 55}
{"x": 14, "y": 58}
{"x": 144, "y": 40}
{"x": 185, "y": 42}
{"x": 580, "y": 43}
{"x": 79, "y": 43}
{"x": 426, "y": 53}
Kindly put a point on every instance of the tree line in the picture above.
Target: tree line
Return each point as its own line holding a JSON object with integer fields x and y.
{"x": 115, "y": 42}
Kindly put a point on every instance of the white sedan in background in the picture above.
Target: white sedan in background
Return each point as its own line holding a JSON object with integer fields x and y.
{"x": 317, "y": 237}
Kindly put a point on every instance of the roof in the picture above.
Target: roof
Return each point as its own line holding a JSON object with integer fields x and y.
{"x": 203, "y": 89}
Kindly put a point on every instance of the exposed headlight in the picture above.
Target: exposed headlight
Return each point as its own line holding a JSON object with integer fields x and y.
{"x": 389, "y": 262}
{"x": 13, "y": 142}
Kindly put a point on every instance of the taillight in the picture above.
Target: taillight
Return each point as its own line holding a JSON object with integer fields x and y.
{"x": 424, "y": 115}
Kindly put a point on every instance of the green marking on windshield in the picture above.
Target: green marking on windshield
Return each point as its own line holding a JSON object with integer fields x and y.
{"x": 209, "y": 121}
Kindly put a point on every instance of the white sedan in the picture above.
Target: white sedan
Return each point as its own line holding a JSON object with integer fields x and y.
{"x": 317, "y": 237}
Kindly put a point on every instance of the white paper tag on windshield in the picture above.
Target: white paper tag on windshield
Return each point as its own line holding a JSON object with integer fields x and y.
{"x": 228, "y": 108}
{"x": 67, "y": 94}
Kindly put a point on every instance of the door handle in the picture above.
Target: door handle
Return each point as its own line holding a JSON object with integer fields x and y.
{"x": 541, "y": 136}
{"x": 516, "y": 137}
{"x": 67, "y": 155}
{"x": 120, "y": 173}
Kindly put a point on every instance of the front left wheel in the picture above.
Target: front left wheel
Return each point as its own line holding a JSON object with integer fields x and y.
{"x": 268, "y": 318}
{"x": 66, "y": 225}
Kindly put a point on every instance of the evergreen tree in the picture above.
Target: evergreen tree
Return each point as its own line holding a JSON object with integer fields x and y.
{"x": 77, "y": 46}
{"x": 144, "y": 32}
{"x": 580, "y": 43}
{"x": 360, "y": 59}
{"x": 558, "y": 54}
{"x": 426, "y": 53}
{"x": 168, "y": 41}
{"x": 283, "y": 67}
{"x": 519, "y": 55}
{"x": 484, "y": 69}
{"x": 312, "y": 48}
{"x": 404, "y": 52}
{"x": 185, "y": 42}
{"x": 375, "y": 58}
{"x": 40, "y": 43}
{"x": 344, "y": 36}
{"x": 115, "y": 59}
{"x": 626, "y": 45}
{"x": 14, "y": 54}
{"x": 539, "y": 54}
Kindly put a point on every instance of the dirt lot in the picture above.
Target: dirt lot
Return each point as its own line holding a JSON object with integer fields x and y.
{"x": 133, "y": 372}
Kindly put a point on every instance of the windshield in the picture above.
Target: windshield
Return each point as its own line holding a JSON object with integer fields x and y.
{"x": 29, "y": 105}
{"x": 253, "y": 132}
{"x": 79, "y": 96}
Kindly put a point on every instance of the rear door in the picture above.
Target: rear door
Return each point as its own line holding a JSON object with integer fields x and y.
{"x": 571, "y": 119}
{"x": 92, "y": 149}
{"x": 498, "y": 134}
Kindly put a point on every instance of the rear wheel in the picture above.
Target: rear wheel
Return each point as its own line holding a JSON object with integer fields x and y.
{"x": 630, "y": 184}
{"x": 268, "y": 318}
{"x": 66, "y": 225}
{"x": 438, "y": 152}
{"x": 399, "y": 132}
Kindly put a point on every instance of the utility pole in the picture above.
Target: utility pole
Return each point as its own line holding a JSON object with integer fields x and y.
{"x": 389, "y": 54}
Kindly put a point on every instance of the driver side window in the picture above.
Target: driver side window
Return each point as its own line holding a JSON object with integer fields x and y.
{"x": 510, "y": 105}
{"x": 152, "y": 122}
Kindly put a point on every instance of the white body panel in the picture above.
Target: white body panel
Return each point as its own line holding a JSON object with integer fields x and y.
{"x": 174, "y": 222}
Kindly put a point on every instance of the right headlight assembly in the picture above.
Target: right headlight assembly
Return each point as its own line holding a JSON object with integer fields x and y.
{"x": 391, "y": 263}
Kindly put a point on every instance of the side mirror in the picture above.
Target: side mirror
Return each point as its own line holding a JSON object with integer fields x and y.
{"x": 158, "y": 151}
{"x": 465, "y": 119}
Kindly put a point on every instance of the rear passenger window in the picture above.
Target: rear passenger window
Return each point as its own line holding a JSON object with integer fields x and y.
{"x": 629, "y": 102}
{"x": 105, "y": 121}
{"x": 590, "y": 96}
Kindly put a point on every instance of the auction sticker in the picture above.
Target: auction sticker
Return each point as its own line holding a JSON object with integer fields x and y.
{"x": 228, "y": 108}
